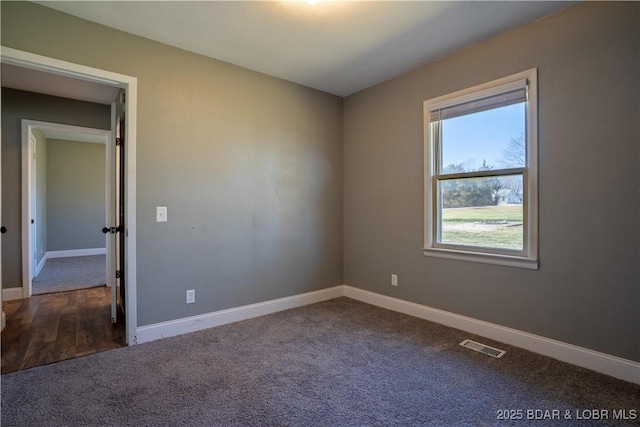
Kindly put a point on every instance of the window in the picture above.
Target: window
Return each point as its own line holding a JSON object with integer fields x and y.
{"x": 481, "y": 173}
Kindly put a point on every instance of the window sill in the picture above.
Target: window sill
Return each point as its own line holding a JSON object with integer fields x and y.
{"x": 495, "y": 259}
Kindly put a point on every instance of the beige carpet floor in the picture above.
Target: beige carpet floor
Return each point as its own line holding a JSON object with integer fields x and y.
{"x": 71, "y": 273}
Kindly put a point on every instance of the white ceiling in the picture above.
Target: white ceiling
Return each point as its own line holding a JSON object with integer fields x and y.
{"x": 68, "y": 135}
{"x": 339, "y": 47}
{"x": 52, "y": 84}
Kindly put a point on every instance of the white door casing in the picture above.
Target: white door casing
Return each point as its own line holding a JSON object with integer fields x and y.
{"x": 129, "y": 84}
{"x": 34, "y": 204}
{"x": 29, "y": 198}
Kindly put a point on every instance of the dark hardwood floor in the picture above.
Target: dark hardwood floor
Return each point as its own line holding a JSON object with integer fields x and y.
{"x": 54, "y": 327}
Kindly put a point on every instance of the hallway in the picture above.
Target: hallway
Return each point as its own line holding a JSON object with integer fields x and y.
{"x": 53, "y": 327}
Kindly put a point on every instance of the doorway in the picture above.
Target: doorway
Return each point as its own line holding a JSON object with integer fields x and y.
{"x": 67, "y": 198}
{"x": 128, "y": 233}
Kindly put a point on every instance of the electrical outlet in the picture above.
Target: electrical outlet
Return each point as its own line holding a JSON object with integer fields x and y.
{"x": 394, "y": 280}
{"x": 191, "y": 296}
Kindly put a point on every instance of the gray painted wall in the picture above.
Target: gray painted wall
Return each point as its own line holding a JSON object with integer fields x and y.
{"x": 76, "y": 200}
{"x": 41, "y": 195}
{"x": 18, "y": 105}
{"x": 587, "y": 290}
{"x": 249, "y": 166}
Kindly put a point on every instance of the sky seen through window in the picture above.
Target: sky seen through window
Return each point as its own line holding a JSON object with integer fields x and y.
{"x": 482, "y": 136}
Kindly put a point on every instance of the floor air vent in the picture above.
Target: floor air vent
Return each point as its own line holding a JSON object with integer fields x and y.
{"x": 476, "y": 346}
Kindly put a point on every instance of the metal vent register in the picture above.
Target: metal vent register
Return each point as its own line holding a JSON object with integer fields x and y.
{"x": 476, "y": 346}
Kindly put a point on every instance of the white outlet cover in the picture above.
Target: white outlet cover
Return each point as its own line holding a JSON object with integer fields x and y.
{"x": 191, "y": 296}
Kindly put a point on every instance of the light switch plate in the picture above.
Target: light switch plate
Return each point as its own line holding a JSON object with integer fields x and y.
{"x": 161, "y": 214}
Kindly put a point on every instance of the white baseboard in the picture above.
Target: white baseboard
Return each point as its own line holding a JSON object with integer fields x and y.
{"x": 617, "y": 367}
{"x": 41, "y": 264}
{"x": 75, "y": 252}
{"x": 614, "y": 366}
{"x": 222, "y": 317}
{"x": 10, "y": 294}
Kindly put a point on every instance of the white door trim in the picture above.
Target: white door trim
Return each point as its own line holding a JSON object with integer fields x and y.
{"x": 129, "y": 84}
{"x": 33, "y": 182}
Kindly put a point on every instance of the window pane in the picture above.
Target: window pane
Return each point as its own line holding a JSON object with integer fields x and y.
{"x": 492, "y": 139}
{"x": 483, "y": 212}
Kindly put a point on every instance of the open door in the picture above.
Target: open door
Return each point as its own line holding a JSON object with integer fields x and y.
{"x": 3, "y": 229}
{"x": 110, "y": 236}
{"x": 120, "y": 199}
{"x": 115, "y": 229}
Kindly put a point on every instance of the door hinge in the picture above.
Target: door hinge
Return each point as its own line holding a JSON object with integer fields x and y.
{"x": 118, "y": 142}
{"x": 117, "y": 274}
{"x": 123, "y": 97}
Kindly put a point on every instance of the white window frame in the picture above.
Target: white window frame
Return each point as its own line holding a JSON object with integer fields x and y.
{"x": 528, "y": 256}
